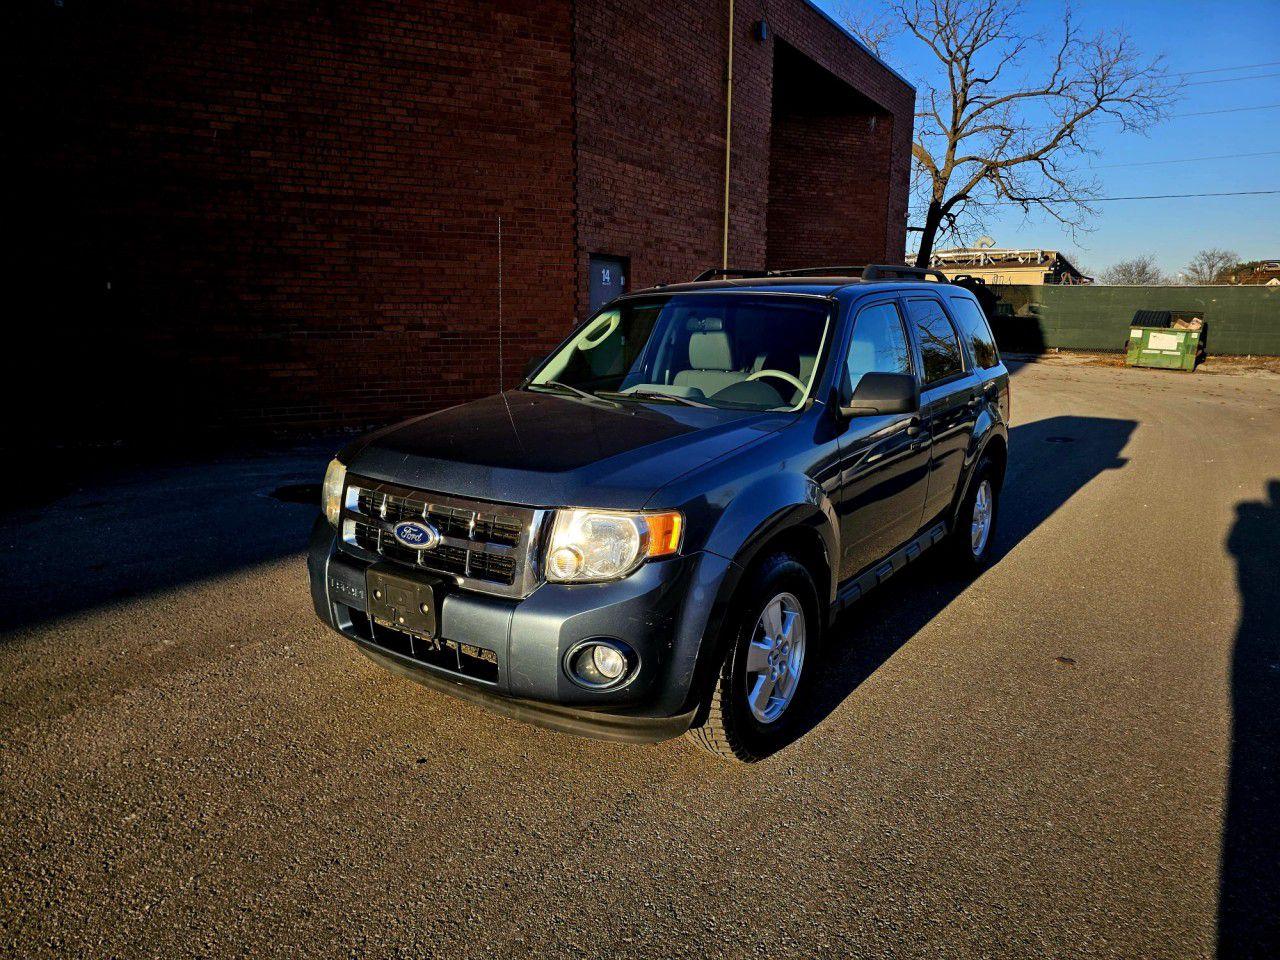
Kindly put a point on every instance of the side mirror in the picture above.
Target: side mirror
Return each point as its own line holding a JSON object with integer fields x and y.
{"x": 883, "y": 393}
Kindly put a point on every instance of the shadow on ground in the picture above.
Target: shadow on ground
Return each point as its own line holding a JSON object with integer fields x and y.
{"x": 1249, "y": 896}
{"x": 1049, "y": 460}
{"x": 145, "y": 529}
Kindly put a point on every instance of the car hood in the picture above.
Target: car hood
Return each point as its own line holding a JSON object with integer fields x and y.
{"x": 548, "y": 450}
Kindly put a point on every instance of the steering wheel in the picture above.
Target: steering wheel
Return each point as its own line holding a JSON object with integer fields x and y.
{"x": 780, "y": 375}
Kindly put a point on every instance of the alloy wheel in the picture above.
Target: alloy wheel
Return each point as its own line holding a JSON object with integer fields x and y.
{"x": 980, "y": 526}
{"x": 775, "y": 658}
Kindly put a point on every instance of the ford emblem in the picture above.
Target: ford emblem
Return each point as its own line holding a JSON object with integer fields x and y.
{"x": 416, "y": 535}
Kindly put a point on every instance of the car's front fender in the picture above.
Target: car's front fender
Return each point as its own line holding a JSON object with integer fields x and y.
{"x": 762, "y": 513}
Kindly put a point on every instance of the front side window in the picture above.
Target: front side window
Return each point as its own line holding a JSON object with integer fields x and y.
{"x": 939, "y": 345}
{"x": 879, "y": 343}
{"x": 977, "y": 331}
{"x": 739, "y": 350}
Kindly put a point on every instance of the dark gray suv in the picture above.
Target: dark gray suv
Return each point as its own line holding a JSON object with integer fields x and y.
{"x": 653, "y": 532}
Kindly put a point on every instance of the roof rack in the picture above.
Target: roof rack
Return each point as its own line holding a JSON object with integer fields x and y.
{"x": 713, "y": 272}
{"x": 870, "y": 271}
{"x": 817, "y": 272}
{"x": 889, "y": 271}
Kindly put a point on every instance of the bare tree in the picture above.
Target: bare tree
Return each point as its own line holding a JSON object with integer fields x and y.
{"x": 873, "y": 28}
{"x": 1209, "y": 266}
{"x": 984, "y": 137}
{"x": 1141, "y": 270}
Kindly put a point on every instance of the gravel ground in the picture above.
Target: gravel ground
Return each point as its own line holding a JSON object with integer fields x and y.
{"x": 1073, "y": 755}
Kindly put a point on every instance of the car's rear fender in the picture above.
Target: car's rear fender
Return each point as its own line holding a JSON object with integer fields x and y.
{"x": 989, "y": 430}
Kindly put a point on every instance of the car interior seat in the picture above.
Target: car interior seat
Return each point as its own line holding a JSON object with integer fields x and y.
{"x": 711, "y": 366}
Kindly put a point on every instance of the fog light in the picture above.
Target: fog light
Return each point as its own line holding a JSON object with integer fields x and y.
{"x": 610, "y": 662}
{"x": 600, "y": 663}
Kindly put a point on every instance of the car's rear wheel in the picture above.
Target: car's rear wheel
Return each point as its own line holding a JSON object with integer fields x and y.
{"x": 767, "y": 664}
{"x": 975, "y": 524}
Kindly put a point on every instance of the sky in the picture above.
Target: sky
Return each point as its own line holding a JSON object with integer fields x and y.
{"x": 1231, "y": 40}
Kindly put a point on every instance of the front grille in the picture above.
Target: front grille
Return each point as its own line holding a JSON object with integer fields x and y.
{"x": 460, "y": 522}
{"x": 483, "y": 545}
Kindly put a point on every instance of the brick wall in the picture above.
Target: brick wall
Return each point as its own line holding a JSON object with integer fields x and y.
{"x": 651, "y": 126}
{"x": 285, "y": 215}
{"x": 650, "y": 120}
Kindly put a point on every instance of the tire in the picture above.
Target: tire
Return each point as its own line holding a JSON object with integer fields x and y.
{"x": 739, "y": 727}
{"x": 968, "y": 548}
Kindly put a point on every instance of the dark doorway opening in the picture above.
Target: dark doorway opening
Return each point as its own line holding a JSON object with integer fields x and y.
{"x": 830, "y": 151}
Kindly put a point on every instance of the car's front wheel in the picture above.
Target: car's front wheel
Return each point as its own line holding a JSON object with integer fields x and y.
{"x": 768, "y": 663}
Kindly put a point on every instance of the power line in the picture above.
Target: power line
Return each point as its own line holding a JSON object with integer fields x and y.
{"x": 1205, "y": 113}
{"x": 1153, "y": 196}
{"x": 1183, "y": 196}
{"x": 1200, "y": 113}
{"x": 1247, "y": 66}
{"x": 1260, "y": 76}
{"x": 1155, "y": 163}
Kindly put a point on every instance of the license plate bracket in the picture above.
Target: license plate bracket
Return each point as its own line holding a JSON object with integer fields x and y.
{"x": 401, "y": 602}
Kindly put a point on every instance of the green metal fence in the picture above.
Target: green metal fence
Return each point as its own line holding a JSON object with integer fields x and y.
{"x": 1241, "y": 320}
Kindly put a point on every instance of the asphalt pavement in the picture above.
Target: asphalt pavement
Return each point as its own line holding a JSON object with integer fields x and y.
{"x": 1074, "y": 754}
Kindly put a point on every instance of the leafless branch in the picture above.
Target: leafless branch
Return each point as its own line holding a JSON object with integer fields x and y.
{"x": 875, "y": 29}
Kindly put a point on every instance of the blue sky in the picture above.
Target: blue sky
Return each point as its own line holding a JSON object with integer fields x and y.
{"x": 1194, "y": 37}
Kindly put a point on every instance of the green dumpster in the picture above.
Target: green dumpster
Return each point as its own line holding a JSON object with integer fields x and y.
{"x": 1163, "y": 338}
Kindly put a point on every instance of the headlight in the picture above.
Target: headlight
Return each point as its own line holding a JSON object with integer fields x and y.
{"x": 595, "y": 545}
{"x": 331, "y": 493}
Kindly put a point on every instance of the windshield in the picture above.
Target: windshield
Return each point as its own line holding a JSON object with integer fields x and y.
{"x": 733, "y": 350}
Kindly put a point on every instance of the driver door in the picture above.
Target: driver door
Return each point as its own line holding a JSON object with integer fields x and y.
{"x": 884, "y": 468}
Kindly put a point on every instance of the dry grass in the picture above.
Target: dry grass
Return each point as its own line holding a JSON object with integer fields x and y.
{"x": 1229, "y": 366}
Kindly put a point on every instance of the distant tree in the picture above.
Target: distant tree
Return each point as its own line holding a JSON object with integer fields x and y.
{"x": 1136, "y": 271}
{"x": 984, "y": 137}
{"x": 1077, "y": 261}
{"x": 1212, "y": 265}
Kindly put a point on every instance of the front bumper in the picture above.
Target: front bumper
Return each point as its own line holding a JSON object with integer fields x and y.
{"x": 509, "y": 654}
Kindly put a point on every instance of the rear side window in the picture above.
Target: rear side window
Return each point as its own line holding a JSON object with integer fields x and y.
{"x": 939, "y": 345}
{"x": 977, "y": 331}
{"x": 879, "y": 343}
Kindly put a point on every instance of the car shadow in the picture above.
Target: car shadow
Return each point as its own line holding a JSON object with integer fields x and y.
{"x": 1249, "y": 884}
{"x": 135, "y": 529}
{"x": 1049, "y": 460}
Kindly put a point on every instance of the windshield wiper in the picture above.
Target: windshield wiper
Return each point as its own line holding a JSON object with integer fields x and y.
{"x": 656, "y": 395}
{"x": 578, "y": 391}
{"x": 565, "y": 386}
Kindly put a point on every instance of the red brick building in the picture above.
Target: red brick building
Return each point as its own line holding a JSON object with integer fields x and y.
{"x": 286, "y": 214}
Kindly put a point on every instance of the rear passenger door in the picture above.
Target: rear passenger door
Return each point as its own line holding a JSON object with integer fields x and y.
{"x": 948, "y": 398}
{"x": 992, "y": 379}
